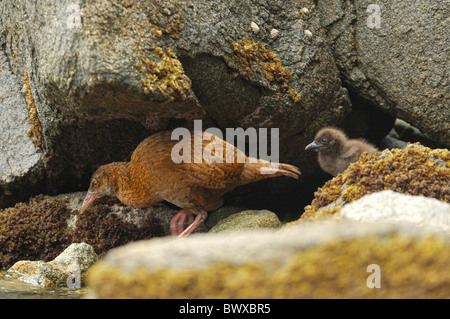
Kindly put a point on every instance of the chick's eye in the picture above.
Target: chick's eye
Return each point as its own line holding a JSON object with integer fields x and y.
{"x": 94, "y": 184}
{"x": 324, "y": 140}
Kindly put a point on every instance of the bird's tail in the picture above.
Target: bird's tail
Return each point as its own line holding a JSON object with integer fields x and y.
{"x": 264, "y": 169}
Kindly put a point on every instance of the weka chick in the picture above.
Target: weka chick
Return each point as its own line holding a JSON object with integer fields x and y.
{"x": 336, "y": 151}
{"x": 151, "y": 176}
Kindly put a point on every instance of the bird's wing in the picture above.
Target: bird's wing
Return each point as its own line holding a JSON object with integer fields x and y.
{"x": 217, "y": 165}
{"x": 351, "y": 152}
{"x": 214, "y": 175}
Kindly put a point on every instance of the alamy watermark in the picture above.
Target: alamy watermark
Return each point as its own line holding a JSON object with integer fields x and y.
{"x": 74, "y": 278}
{"x": 214, "y": 150}
{"x": 374, "y": 19}
{"x": 374, "y": 279}
{"x": 73, "y": 20}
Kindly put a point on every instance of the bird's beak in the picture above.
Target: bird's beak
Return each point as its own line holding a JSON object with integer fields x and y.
{"x": 90, "y": 197}
{"x": 312, "y": 145}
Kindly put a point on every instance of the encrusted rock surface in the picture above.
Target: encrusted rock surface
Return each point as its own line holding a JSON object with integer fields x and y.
{"x": 313, "y": 260}
{"x": 415, "y": 170}
{"x": 248, "y": 219}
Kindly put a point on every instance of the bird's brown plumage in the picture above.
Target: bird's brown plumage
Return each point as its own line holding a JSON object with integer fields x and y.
{"x": 336, "y": 151}
{"x": 152, "y": 176}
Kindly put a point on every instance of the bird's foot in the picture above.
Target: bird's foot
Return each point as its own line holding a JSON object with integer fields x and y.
{"x": 177, "y": 224}
{"x": 201, "y": 216}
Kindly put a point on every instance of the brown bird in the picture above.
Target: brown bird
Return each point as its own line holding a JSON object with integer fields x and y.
{"x": 336, "y": 151}
{"x": 152, "y": 176}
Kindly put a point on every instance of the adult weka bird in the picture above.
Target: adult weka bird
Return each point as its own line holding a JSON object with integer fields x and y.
{"x": 152, "y": 176}
{"x": 336, "y": 151}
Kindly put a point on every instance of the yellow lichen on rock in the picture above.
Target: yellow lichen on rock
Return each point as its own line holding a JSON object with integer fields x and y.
{"x": 336, "y": 269}
{"x": 165, "y": 75}
{"x": 36, "y": 127}
{"x": 415, "y": 170}
{"x": 254, "y": 56}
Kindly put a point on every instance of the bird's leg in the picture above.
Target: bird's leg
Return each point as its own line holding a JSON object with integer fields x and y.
{"x": 177, "y": 222}
{"x": 201, "y": 216}
{"x": 214, "y": 205}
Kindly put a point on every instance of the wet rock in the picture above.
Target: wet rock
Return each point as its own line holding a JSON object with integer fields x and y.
{"x": 68, "y": 269}
{"x": 314, "y": 260}
{"x": 392, "y": 142}
{"x": 249, "y": 219}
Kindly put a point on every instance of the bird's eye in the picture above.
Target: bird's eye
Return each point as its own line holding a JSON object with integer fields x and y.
{"x": 324, "y": 140}
{"x": 94, "y": 184}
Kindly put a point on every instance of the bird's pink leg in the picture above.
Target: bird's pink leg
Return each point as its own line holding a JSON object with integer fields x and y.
{"x": 177, "y": 222}
{"x": 201, "y": 216}
{"x": 214, "y": 205}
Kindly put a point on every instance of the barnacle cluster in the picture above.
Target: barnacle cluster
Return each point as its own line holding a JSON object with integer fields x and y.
{"x": 254, "y": 57}
{"x": 415, "y": 170}
{"x": 165, "y": 16}
{"x": 164, "y": 74}
{"x": 36, "y": 127}
{"x": 38, "y": 230}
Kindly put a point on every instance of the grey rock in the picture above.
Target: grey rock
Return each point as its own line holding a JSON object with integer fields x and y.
{"x": 221, "y": 213}
{"x": 20, "y": 157}
{"x": 392, "y": 142}
{"x": 402, "y": 66}
{"x": 104, "y": 75}
{"x": 68, "y": 269}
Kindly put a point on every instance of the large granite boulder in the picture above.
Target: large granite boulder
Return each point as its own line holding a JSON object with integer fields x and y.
{"x": 394, "y": 54}
{"x": 100, "y": 76}
{"x": 93, "y": 79}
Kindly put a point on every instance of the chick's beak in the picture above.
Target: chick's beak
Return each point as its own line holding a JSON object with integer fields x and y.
{"x": 90, "y": 197}
{"x": 312, "y": 145}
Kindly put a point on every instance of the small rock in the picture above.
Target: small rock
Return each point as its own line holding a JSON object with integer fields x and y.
{"x": 249, "y": 219}
{"x": 220, "y": 214}
{"x": 68, "y": 269}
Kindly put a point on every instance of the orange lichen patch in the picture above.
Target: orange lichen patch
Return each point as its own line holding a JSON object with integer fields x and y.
{"x": 36, "y": 127}
{"x": 415, "y": 170}
{"x": 165, "y": 74}
{"x": 253, "y": 57}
